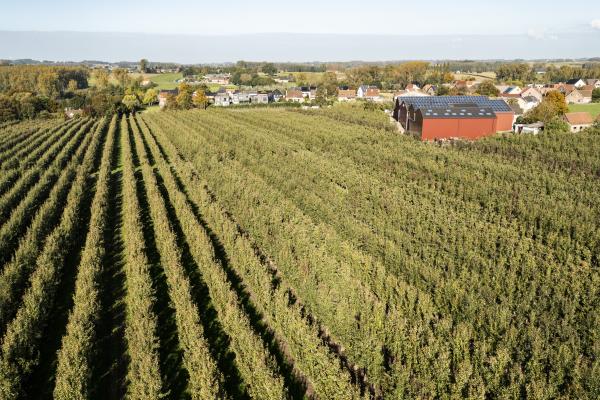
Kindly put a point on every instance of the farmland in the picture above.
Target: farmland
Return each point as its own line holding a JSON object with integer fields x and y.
{"x": 271, "y": 254}
{"x": 593, "y": 108}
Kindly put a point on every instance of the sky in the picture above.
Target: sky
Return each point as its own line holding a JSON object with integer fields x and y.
{"x": 543, "y": 24}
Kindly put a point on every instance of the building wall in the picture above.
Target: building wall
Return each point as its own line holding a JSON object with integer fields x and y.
{"x": 505, "y": 121}
{"x": 455, "y": 127}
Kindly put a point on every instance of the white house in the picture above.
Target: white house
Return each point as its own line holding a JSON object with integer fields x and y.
{"x": 577, "y": 82}
{"x": 532, "y": 129}
{"x": 579, "y": 121}
{"x": 368, "y": 92}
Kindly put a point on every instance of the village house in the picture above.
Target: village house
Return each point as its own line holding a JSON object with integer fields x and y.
{"x": 309, "y": 92}
{"x": 345, "y": 94}
{"x": 163, "y": 96}
{"x": 528, "y": 102}
{"x": 579, "y": 121}
{"x": 368, "y": 92}
{"x": 275, "y": 95}
{"x": 72, "y": 113}
{"x": 576, "y": 82}
{"x": 595, "y": 83}
{"x": 430, "y": 89}
{"x": 259, "y": 98}
{"x": 532, "y": 92}
{"x": 222, "y": 98}
{"x": 512, "y": 91}
{"x": 295, "y": 95}
{"x": 411, "y": 87}
{"x": 578, "y": 97}
{"x": 532, "y": 129}
{"x": 283, "y": 79}
{"x": 221, "y": 79}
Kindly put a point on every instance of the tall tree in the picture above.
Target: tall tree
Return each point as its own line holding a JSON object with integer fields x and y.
{"x": 143, "y": 65}
{"x": 122, "y": 76}
{"x": 487, "y": 88}
{"x": 184, "y": 98}
{"x": 200, "y": 100}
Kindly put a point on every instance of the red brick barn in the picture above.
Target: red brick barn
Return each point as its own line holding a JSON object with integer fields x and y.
{"x": 443, "y": 117}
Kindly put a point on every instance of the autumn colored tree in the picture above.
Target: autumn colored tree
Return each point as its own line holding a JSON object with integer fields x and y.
{"x": 558, "y": 101}
{"x": 150, "y": 97}
{"x": 184, "y": 98}
{"x": 199, "y": 99}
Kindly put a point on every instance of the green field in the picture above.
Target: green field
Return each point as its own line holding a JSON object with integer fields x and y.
{"x": 288, "y": 254}
{"x": 165, "y": 81}
{"x": 593, "y": 108}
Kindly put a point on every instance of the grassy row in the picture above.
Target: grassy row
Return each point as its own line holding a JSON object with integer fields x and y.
{"x": 21, "y": 215}
{"x": 15, "y": 273}
{"x": 205, "y": 379}
{"x": 29, "y": 177}
{"x": 298, "y": 338}
{"x": 252, "y": 358}
{"x": 17, "y": 156}
{"x": 20, "y": 344}
{"x": 463, "y": 280}
{"x": 143, "y": 375}
{"x": 19, "y": 134}
{"x": 10, "y": 176}
{"x": 75, "y": 358}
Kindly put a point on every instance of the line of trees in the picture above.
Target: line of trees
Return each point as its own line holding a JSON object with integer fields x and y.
{"x": 20, "y": 343}
{"x": 75, "y": 357}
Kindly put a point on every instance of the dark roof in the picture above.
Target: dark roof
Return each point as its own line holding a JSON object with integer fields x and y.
{"x": 497, "y": 105}
{"x": 169, "y": 91}
{"x": 462, "y": 111}
{"x": 573, "y": 81}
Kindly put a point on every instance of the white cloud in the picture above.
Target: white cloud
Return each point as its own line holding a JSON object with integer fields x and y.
{"x": 595, "y": 24}
{"x": 541, "y": 35}
{"x": 532, "y": 33}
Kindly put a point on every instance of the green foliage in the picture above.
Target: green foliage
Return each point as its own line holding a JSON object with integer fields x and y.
{"x": 487, "y": 88}
{"x": 552, "y": 106}
{"x": 75, "y": 358}
{"x": 556, "y": 124}
{"x": 596, "y": 95}
{"x": 429, "y": 243}
{"x": 514, "y": 72}
{"x": 184, "y": 97}
{"x": 141, "y": 327}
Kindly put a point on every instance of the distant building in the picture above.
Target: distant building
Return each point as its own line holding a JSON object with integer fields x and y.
{"x": 275, "y": 95}
{"x": 221, "y": 79}
{"x": 576, "y": 82}
{"x": 579, "y": 121}
{"x": 346, "y": 94}
{"x": 72, "y": 113}
{"x": 445, "y": 117}
{"x": 532, "y": 129}
{"x": 512, "y": 91}
{"x": 222, "y": 98}
{"x": 430, "y": 89}
{"x": 295, "y": 95}
{"x": 368, "y": 92}
{"x": 532, "y": 92}
{"x": 260, "y": 98}
{"x": 593, "y": 82}
{"x": 163, "y": 96}
{"x": 578, "y": 97}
